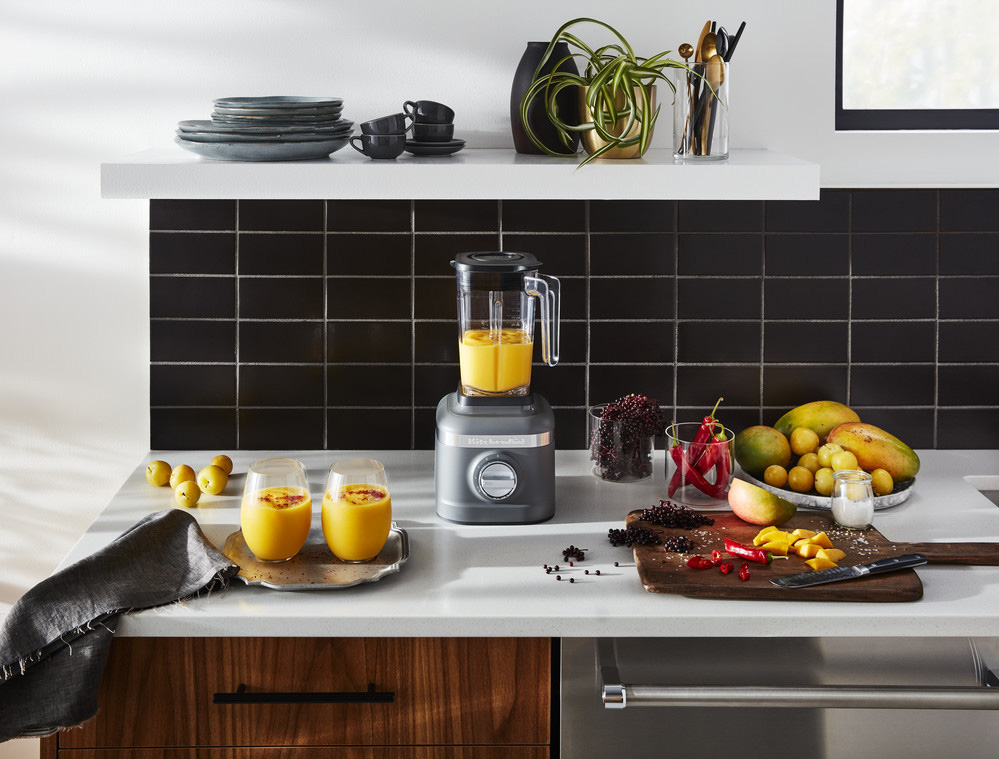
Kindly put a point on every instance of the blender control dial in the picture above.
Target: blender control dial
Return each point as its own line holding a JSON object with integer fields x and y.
{"x": 497, "y": 480}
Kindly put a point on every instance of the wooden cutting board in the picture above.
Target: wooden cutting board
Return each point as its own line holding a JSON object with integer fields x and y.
{"x": 664, "y": 572}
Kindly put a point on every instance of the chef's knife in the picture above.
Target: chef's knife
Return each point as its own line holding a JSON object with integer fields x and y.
{"x": 835, "y": 574}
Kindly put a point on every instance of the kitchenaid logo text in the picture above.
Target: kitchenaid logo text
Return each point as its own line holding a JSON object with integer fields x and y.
{"x": 497, "y": 441}
{"x": 489, "y": 442}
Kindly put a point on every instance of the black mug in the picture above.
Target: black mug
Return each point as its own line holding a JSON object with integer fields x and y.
{"x": 393, "y": 124}
{"x": 428, "y": 112}
{"x": 380, "y": 145}
{"x": 433, "y": 132}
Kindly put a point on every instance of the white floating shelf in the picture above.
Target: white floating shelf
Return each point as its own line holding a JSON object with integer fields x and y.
{"x": 470, "y": 174}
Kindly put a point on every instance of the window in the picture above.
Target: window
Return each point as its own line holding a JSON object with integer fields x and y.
{"x": 916, "y": 64}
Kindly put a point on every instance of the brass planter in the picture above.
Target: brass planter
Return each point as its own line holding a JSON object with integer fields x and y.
{"x": 592, "y": 142}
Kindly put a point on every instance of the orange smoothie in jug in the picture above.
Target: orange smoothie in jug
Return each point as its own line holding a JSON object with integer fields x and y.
{"x": 356, "y": 521}
{"x": 495, "y": 361}
{"x": 276, "y": 521}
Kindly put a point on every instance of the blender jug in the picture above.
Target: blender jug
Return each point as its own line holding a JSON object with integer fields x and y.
{"x": 496, "y": 299}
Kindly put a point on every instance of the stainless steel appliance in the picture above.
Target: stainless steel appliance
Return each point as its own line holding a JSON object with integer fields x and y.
{"x": 495, "y": 450}
{"x": 821, "y": 698}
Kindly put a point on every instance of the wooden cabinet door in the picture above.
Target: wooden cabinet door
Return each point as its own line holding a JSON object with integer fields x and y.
{"x": 324, "y": 752}
{"x": 444, "y": 691}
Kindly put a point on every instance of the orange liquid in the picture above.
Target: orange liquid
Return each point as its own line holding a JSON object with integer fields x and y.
{"x": 495, "y": 362}
{"x": 356, "y": 524}
{"x": 276, "y": 521}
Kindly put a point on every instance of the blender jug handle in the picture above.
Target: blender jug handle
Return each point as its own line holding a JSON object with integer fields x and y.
{"x": 546, "y": 288}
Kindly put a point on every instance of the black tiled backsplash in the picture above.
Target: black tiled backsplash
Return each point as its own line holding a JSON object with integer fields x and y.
{"x": 331, "y": 324}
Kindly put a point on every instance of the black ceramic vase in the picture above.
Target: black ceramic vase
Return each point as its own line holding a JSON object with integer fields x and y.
{"x": 567, "y": 100}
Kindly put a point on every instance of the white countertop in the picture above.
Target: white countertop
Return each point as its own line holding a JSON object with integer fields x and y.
{"x": 488, "y": 580}
{"x": 473, "y": 173}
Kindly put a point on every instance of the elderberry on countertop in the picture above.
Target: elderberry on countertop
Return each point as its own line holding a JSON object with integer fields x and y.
{"x": 573, "y": 553}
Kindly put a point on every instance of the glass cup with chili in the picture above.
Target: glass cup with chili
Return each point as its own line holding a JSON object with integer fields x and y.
{"x": 698, "y": 464}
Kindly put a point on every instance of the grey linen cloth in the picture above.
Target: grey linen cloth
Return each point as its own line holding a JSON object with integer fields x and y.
{"x": 55, "y": 640}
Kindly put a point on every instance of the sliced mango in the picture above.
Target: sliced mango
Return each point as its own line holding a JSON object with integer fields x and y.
{"x": 761, "y": 536}
{"x": 822, "y": 540}
{"x": 802, "y": 533}
{"x": 807, "y": 550}
{"x": 820, "y": 563}
{"x": 777, "y": 547}
{"x": 832, "y": 554}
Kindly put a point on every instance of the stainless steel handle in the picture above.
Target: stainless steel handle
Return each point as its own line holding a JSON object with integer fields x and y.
{"x": 621, "y": 695}
{"x": 616, "y": 694}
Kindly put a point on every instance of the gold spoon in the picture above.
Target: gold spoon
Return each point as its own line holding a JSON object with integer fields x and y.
{"x": 715, "y": 74}
{"x": 709, "y": 46}
{"x": 686, "y": 50}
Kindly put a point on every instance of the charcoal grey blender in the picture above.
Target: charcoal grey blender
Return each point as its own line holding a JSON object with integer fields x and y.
{"x": 494, "y": 457}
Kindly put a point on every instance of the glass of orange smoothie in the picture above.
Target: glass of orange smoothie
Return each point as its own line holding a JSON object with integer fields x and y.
{"x": 276, "y": 512}
{"x": 357, "y": 509}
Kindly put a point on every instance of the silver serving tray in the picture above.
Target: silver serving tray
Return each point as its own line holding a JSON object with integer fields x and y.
{"x": 315, "y": 567}
{"x": 818, "y": 502}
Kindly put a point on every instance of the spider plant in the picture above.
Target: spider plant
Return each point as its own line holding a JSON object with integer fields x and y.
{"x": 615, "y": 91}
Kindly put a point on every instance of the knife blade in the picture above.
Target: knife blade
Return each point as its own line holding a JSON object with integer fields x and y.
{"x": 835, "y": 574}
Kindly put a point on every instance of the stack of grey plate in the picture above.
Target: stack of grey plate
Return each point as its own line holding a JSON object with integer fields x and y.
{"x": 275, "y": 128}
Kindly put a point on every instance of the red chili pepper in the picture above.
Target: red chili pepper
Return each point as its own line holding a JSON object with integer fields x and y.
{"x": 723, "y": 476}
{"x": 687, "y": 473}
{"x": 744, "y": 571}
{"x": 714, "y": 453}
{"x": 699, "y": 562}
{"x": 749, "y": 552}
{"x": 716, "y": 558}
{"x": 704, "y": 434}
{"x": 726, "y": 567}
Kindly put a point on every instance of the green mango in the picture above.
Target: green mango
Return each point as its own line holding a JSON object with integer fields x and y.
{"x": 876, "y": 449}
{"x": 820, "y": 416}
{"x": 759, "y": 446}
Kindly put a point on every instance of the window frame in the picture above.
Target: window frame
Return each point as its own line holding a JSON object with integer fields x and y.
{"x": 913, "y": 119}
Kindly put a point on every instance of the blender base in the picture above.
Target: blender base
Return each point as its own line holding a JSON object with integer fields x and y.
{"x": 494, "y": 460}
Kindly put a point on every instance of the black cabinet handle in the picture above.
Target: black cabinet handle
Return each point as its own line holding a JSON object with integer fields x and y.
{"x": 241, "y": 696}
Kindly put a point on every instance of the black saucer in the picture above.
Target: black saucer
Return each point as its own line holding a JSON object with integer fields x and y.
{"x": 417, "y": 147}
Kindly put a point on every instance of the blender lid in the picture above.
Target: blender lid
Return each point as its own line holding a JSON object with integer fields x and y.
{"x": 495, "y": 262}
{"x": 493, "y": 269}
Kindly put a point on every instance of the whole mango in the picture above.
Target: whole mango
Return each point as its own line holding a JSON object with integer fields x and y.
{"x": 820, "y": 416}
{"x": 759, "y": 446}
{"x": 876, "y": 449}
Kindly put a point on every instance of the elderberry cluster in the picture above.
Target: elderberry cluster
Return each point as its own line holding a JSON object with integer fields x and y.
{"x": 639, "y": 414}
{"x": 675, "y": 515}
{"x": 621, "y": 444}
{"x": 631, "y": 536}
{"x": 679, "y": 544}
{"x": 573, "y": 553}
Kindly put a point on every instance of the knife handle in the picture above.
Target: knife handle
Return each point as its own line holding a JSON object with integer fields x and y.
{"x": 985, "y": 554}
{"x": 895, "y": 563}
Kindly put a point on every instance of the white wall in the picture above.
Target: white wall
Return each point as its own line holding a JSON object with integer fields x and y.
{"x": 83, "y": 81}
